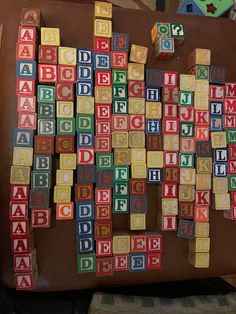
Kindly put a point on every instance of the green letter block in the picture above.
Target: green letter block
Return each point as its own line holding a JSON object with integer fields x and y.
{"x": 121, "y": 188}
{"x": 86, "y": 263}
{"x": 121, "y": 173}
{"x": 104, "y": 160}
{"x": 46, "y": 127}
{"x": 120, "y": 205}
{"x": 46, "y": 111}
{"x": 185, "y": 98}
{"x": 120, "y": 106}
{"x": 85, "y": 122}
{"x": 119, "y": 91}
{"x": 186, "y": 160}
{"x": 231, "y": 136}
{"x": 186, "y": 129}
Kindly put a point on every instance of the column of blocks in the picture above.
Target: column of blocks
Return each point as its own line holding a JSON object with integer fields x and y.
{"x": 21, "y": 233}
{"x": 199, "y": 71}
{"x": 139, "y": 161}
{"x": 103, "y": 61}
{"x": 165, "y": 37}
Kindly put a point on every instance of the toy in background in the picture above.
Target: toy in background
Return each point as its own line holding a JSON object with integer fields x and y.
{"x": 212, "y": 8}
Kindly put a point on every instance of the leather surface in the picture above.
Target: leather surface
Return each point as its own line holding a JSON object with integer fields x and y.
{"x": 56, "y": 247}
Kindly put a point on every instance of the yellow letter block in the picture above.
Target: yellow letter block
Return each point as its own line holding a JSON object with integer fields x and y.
{"x": 220, "y": 185}
{"x": 65, "y": 109}
{"x": 221, "y": 201}
{"x": 199, "y": 260}
{"x": 200, "y": 245}
{"x": 171, "y": 142}
{"x": 138, "y": 54}
{"x": 68, "y": 161}
{"x": 20, "y": 175}
{"x": 102, "y": 28}
{"x": 64, "y": 177}
{"x": 187, "y": 82}
{"x": 122, "y": 157}
{"x": 120, "y": 139}
{"x": 137, "y": 221}
{"x": 62, "y": 194}
{"x": 85, "y": 104}
{"x": 169, "y": 206}
{"x": 203, "y": 181}
{"x": 202, "y": 229}
{"x": 218, "y": 139}
{"x": 204, "y": 165}
{"x": 155, "y": 159}
{"x": 187, "y": 176}
{"x": 50, "y": 36}
{"x": 136, "y": 139}
{"x": 22, "y": 156}
{"x": 103, "y": 9}
{"x": 199, "y": 57}
{"x": 139, "y": 171}
{"x": 202, "y": 86}
{"x": 136, "y": 71}
{"x": 138, "y": 155}
{"x": 103, "y": 95}
{"x": 67, "y": 55}
{"x": 136, "y": 105}
{"x": 186, "y": 193}
{"x": 153, "y": 110}
{"x": 121, "y": 244}
{"x": 201, "y": 101}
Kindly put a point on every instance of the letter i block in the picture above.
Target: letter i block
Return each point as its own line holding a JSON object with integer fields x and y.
{"x": 170, "y": 110}
{"x": 168, "y": 223}
{"x": 50, "y": 36}
{"x": 40, "y": 218}
{"x": 138, "y": 243}
{"x": 85, "y": 245}
{"x": 84, "y": 211}
{"x": 171, "y": 174}
{"x": 170, "y": 125}
{"x": 137, "y": 221}
{"x": 84, "y": 192}
{"x": 120, "y": 204}
{"x": 199, "y": 260}
{"x": 104, "y": 247}
{"x": 121, "y": 262}
{"x": 104, "y": 266}
{"x": 86, "y": 263}
{"x": 65, "y": 211}
{"x": 121, "y": 244}
{"x": 25, "y": 262}
{"x": 18, "y": 210}
{"x": 26, "y": 281}
{"x": 138, "y": 262}
{"x": 186, "y": 229}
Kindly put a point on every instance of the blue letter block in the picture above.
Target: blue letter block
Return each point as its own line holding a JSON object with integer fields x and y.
{"x": 221, "y": 154}
{"x": 84, "y": 72}
{"x": 85, "y": 245}
{"x": 23, "y": 138}
{"x": 102, "y": 61}
{"x": 84, "y": 88}
{"x": 84, "y": 211}
{"x": 85, "y": 139}
{"x": 153, "y": 126}
{"x": 84, "y": 228}
{"x": 138, "y": 262}
{"x": 216, "y": 108}
{"x": 153, "y": 94}
{"x": 220, "y": 169}
{"x": 154, "y": 175}
{"x": 120, "y": 42}
{"x": 216, "y": 123}
{"x": 85, "y": 56}
{"x": 86, "y": 174}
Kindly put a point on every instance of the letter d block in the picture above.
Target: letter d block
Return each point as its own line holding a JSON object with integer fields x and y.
{"x": 84, "y": 192}
{"x": 84, "y": 228}
{"x": 84, "y": 211}
{"x": 85, "y": 245}
{"x": 121, "y": 244}
{"x": 41, "y": 218}
{"x": 86, "y": 263}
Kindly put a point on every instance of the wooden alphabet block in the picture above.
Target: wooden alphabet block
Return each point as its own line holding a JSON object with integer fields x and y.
{"x": 137, "y": 221}
{"x": 153, "y": 94}
{"x": 103, "y": 196}
{"x": 155, "y": 159}
{"x": 138, "y": 243}
{"x": 68, "y": 161}
{"x": 230, "y": 90}
{"x": 64, "y": 177}
{"x": 102, "y": 28}
{"x": 121, "y": 262}
{"x": 122, "y": 156}
{"x": 186, "y": 229}
{"x": 46, "y": 111}
{"x": 39, "y": 198}
{"x": 120, "y": 41}
{"x": 40, "y": 179}
{"x": 103, "y": 230}
{"x": 138, "y": 155}
{"x": 50, "y": 36}
{"x": 102, "y": 144}
{"x": 47, "y": 54}
{"x": 62, "y": 194}
{"x": 164, "y": 48}
{"x": 170, "y": 94}
{"x": 187, "y": 82}
{"x": 201, "y": 86}
{"x": 121, "y": 188}
{"x": 170, "y": 125}
{"x": 104, "y": 266}
{"x": 66, "y": 73}
{"x": 104, "y": 160}
{"x": 103, "y": 78}
{"x": 103, "y": 94}
{"x": 26, "y": 281}
{"x": 153, "y": 126}
{"x": 201, "y": 101}
{"x": 168, "y": 223}
{"x": 27, "y": 120}
{"x": 221, "y": 201}
{"x": 153, "y": 77}
{"x": 85, "y": 104}
{"x": 19, "y": 228}
{"x": 27, "y": 34}
{"x": 84, "y": 88}
{"x": 103, "y": 212}
{"x": 41, "y": 218}
{"x": 136, "y": 88}
{"x": 119, "y": 76}
{"x": 65, "y": 91}
{"x": 200, "y": 57}
{"x": 199, "y": 260}
{"x": 104, "y": 178}
{"x": 84, "y": 228}
{"x": 65, "y": 211}
{"x": 139, "y": 171}
{"x": 186, "y": 114}
{"x": 186, "y": 193}
{"x": 230, "y": 136}
{"x": 202, "y": 229}
{"x": 102, "y": 61}
{"x": 86, "y": 263}
{"x": 160, "y": 30}
{"x": 187, "y": 176}
{"x": 154, "y": 142}
{"x": 138, "y": 54}
{"x": 22, "y": 156}
{"x": 18, "y": 210}
{"x": 47, "y": 73}
{"x": 171, "y": 159}
{"x": 136, "y": 139}
{"x": 84, "y": 192}
{"x": 169, "y": 206}
{"x": 64, "y": 144}
{"x": 26, "y": 103}
{"x": 136, "y": 71}
{"x": 153, "y": 261}
{"x": 202, "y": 117}
{"x": 121, "y": 244}
{"x": 203, "y": 181}
{"x": 220, "y": 185}
{"x": 154, "y": 176}
{"x": 85, "y": 156}
{"x": 204, "y": 165}
{"x": 138, "y": 262}
{"x": 186, "y": 98}
{"x": 186, "y": 160}
{"x": 201, "y": 213}
{"x": 138, "y": 204}
{"x": 46, "y": 94}
{"x": 187, "y": 145}
{"x": 200, "y": 245}
{"x": 25, "y": 262}
{"x": 216, "y": 123}
{"x": 85, "y": 245}
{"x": 22, "y": 245}
{"x": 103, "y": 9}
{"x": 25, "y": 87}
{"x": 219, "y": 169}
{"x": 171, "y": 174}
{"x": 84, "y": 210}
{"x": 203, "y": 149}
{"x": 30, "y": 17}
{"x": 67, "y": 55}
{"x": 153, "y": 243}
{"x": 201, "y": 72}
{"x": 85, "y": 140}
{"x": 216, "y": 92}
{"x": 217, "y": 74}
{"x": 25, "y": 51}
{"x": 120, "y": 122}
{"x": 232, "y": 167}
{"x": 19, "y": 192}
{"x": 231, "y": 213}
{"x": 20, "y": 175}
{"x": 84, "y": 72}
{"x": 22, "y": 138}
{"x": 120, "y": 204}
{"x": 202, "y": 198}
{"x": 153, "y": 110}
{"x": 121, "y": 173}
{"x": 187, "y": 129}
{"x": 186, "y": 210}
{"x": 169, "y": 190}
{"x": 171, "y": 142}
{"x": 46, "y": 127}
